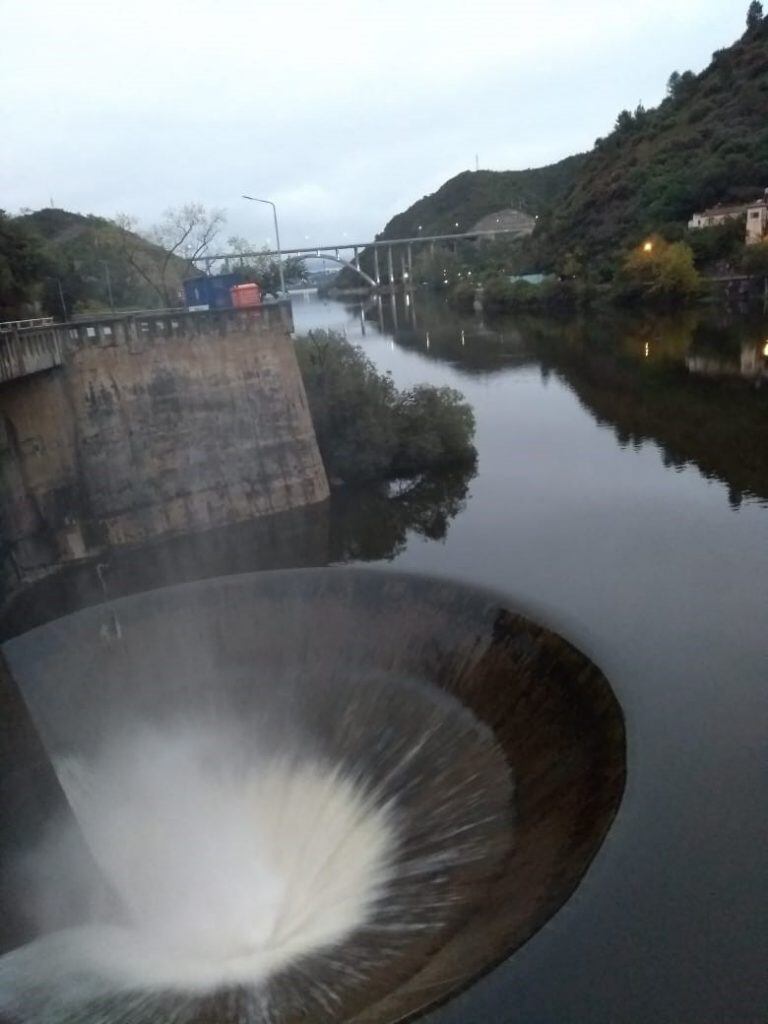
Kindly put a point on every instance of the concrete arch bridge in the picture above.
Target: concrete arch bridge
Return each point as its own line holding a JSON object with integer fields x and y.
{"x": 381, "y": 275}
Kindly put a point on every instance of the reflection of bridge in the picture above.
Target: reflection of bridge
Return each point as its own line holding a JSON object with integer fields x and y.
{"x": 356, "y": 249}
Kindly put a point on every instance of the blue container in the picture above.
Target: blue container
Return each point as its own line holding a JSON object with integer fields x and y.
{"x": 212, "y": 292}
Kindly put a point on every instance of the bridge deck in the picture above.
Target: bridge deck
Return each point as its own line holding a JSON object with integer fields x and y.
{"x": 377, "y": 243}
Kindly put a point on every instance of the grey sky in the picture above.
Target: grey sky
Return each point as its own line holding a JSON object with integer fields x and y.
{"x": 342, "y": 112}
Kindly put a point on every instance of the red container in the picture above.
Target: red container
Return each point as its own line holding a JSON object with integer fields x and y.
{"x": 245, "y": 295}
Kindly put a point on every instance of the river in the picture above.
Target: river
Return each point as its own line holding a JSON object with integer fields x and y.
{"x": 620, "y": 494}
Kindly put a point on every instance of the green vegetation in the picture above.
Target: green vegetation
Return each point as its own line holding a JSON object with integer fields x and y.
{"x": 366, "y": 429}
{"x": 754, "y": 260}
{"x": 23, "y": 264}
{"x": 658, "y": 271}
{"x": 260, "y": 268}
{"x": 706, "y": 143}
{"x": 474, "y": 194}
{"x": 57, "y": 262}
{"x": 83, "y": 263}
{"x": 502, "y": 295}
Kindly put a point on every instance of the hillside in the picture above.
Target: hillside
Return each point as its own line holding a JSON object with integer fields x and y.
{"x": 474, "y": 194}
{"x": 707, "y": 142}
{"x": 89, "y": 255}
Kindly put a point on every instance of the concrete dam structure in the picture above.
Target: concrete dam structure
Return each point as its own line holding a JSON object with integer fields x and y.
{"x": 120, "y": 431}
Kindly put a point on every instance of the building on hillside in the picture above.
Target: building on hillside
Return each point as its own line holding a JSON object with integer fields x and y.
{"x": 506, "y": 220}
{"x": 755, "y": 214}
{"x": 757, "y": 221}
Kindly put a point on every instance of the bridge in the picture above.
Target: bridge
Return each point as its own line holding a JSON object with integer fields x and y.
{"x": 333, "y": 252}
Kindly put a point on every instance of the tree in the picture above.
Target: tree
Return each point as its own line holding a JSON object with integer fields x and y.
{"x": 185, "y": 233}
{"x": 659, "y": 270}
{"x": 23, "y": 266}
{"x": 754, "y": 14}
{"x": 261, "y": 267}
{"x": 368, "y": 430}
{"x": 673, "y": 83}
{"x": 625, "y": 121}
{"x": 435, "y": 268}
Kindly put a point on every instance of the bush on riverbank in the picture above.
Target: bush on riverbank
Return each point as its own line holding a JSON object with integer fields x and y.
{"x": 366, "y": 428}
{"x": 501, "y": 295}
{"x": 658, "y": 271}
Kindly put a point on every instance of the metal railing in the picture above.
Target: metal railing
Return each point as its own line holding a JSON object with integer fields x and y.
{"x": 22, "y": 325}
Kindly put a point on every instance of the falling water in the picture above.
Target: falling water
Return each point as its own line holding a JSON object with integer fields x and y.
{"x": 223, "y": 864}
{"x": 279, "y": 802}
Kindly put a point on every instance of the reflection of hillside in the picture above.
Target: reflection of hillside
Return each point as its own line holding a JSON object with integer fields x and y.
{"x": 719, "y": 424}
{"x": 363, "y": 525}
{"x": 468, "y": 344}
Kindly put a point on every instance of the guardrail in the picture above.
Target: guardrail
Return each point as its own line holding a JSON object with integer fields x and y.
{"x": 20, "y": 325}
{"x": 31, "y": 350}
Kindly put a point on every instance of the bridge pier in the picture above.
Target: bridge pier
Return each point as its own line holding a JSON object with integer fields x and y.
{"x": 390, "y": 268}
{"x": 376, "y": 271}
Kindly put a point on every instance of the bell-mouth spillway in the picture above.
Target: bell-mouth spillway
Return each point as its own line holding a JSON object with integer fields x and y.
{"x": 439, "y": 764}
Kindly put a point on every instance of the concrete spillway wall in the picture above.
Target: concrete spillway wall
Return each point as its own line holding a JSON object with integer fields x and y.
{"x": 152, "y": 426}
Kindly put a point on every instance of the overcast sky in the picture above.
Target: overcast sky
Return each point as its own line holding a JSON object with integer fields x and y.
{"x": 343, "y": 113}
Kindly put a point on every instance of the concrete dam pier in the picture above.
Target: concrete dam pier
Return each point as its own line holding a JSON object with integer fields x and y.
{"x": 127, "y": 429}
{"x": 328, "y": 795}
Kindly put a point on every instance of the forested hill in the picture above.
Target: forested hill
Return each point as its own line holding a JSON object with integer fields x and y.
{"x": 52, "y": 256}
{"x": 707, "y": 142}
{"x": 473, "y": 194}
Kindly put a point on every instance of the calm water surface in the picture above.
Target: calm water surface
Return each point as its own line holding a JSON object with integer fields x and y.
{"x": 625, "y": 500}
{"x": 621, "y": 495}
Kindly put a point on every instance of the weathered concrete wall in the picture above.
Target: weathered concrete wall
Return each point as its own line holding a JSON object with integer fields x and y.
{"x": 153, "y": 427}
{"x": 29, "y": 351}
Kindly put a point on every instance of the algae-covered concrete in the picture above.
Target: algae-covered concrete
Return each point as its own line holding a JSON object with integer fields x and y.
{"x": 153, "y": 426}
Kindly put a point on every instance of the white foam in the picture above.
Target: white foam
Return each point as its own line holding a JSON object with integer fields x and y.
{"x": 228, "y": 868}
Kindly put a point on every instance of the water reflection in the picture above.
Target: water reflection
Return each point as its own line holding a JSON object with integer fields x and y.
{"x": 693, "y": 383}
{"x": 373, "y": 523}
{"x": 365, "y": 524}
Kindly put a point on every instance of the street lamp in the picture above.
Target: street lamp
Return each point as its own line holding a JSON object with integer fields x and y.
{"x": 109, "y": 284}
{"x": 648, "y": 247}
{"x": 268, "y": 202}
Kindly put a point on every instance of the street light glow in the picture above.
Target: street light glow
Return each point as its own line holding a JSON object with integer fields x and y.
{"x": 648, "y": 247}
{"x": 765, "y": 350}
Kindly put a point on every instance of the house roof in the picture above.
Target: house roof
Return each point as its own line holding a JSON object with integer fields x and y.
{"x": 719, "y": 211}
{"x": 726, "y": 208}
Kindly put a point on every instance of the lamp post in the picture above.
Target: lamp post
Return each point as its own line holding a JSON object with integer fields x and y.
{"x": 109, "y": 284}
{"x": 268, "y": 202}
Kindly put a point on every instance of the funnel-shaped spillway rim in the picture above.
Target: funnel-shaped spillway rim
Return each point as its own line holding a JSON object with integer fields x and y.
{"x": 483, "y": 636}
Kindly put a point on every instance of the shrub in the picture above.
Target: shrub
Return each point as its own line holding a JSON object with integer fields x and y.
{"x": 665, "y": 273}
{"x": 754, "y": 259}
{"x": 718, "y": 242}
{"x": 462, "y": 296}
{"x": 368, "y": 430}
{"x": 435, "y": 427}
